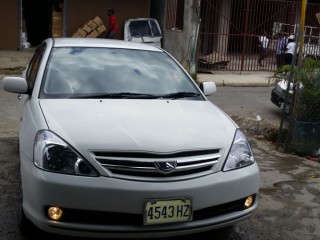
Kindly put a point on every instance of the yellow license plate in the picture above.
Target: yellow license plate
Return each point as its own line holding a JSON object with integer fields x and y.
{"x": 167, "y": 211}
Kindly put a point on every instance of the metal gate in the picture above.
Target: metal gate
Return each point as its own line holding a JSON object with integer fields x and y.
{"x": 230, "y": 31}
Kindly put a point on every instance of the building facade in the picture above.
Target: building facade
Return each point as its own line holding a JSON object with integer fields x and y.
{"x": 39, "y": 19}
{"x": 225, "y": 33}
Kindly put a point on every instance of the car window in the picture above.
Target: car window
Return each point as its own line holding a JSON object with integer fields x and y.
{"x": 155, "y": 28}
{"x": 140, "y": 28}
{"x": 33, "y": 67}
{"x": 80, "y": 71}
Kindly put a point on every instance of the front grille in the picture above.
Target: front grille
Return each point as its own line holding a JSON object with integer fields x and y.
{"x": 116, "y": 218}
{"x": 143, "y": 164}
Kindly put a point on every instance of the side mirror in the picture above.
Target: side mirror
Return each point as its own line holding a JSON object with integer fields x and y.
{"x": 208, "y": 87}
{"x": 15, "y": 85}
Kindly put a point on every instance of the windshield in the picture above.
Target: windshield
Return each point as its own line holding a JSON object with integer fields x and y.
{"x": 144, "y": 28}
{"x": 140, "y": 28}
{"x": 110, "y": 73}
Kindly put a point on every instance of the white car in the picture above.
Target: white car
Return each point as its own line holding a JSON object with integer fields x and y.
{"x": 145, "y": 30}
{"x": 118, "y": 141}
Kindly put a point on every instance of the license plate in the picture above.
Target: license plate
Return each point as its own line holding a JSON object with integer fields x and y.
{"x": 167, "y": 211}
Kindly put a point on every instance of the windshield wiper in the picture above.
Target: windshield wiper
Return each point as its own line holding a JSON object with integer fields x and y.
{"x": 119, "y": 95}
{"x": 177, "y": 95}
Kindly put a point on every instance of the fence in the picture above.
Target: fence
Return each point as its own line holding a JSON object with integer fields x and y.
{"x": 230, "y": 30}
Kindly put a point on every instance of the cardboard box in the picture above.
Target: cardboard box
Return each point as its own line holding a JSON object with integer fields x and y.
{"x": 57, "y": 21}
{"x": 87, "y": 28}
{"x": 57, "y": 26}
{"x": 98, "y": 21}
{"x": 57, "y": 14}
{"x": 57, "y": 33}
{"x": 92, "y": 24}
{"x": 93, "y": 34}
{"x": 92, "y": 29}
{"x": 101, "y": 29}
{"x": 81, "y": 32}
{"x": 75, "y": 35}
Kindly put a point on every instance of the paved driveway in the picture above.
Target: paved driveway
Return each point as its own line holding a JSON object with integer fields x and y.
{"x": 289, "y": 202}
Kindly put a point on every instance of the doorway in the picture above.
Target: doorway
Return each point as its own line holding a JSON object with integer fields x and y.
{"x": 37, "y": 19}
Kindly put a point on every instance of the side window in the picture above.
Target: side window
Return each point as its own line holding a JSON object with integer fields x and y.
{"x": 33, "y": 67}
{"x": 155, "y": 28}
{"x": 175, "y": 13}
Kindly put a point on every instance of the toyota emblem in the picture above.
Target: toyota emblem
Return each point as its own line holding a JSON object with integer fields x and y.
{"x": 166, "y": 167}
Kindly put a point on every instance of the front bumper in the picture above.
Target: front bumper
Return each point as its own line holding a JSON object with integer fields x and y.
{"x": 105, "y": 196}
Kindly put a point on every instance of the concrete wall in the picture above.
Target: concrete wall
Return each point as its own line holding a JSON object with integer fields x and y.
{"x": 181, "y": 43}
{"x": 80, "y": 12}
{"x": 9, "y": 24}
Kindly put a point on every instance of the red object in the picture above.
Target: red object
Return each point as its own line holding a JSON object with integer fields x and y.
{"x": 113, "y": 22}
{"x": 312, "y": 158}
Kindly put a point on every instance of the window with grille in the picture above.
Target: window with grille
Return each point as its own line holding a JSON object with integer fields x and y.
{"x": 175, "y": 10}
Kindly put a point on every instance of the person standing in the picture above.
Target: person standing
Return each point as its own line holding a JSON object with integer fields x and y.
{"x": 263, "y": 45}
{"x": 112, "y": 24}
{"x": 290, "y": 49}
{"x": 281, "y": 48}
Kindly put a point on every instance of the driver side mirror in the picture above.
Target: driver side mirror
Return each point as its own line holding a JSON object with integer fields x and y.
{"x": 15, "y": 85}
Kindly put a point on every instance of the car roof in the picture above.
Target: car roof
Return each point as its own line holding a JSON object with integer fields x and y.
{"x": 101, "y": 42}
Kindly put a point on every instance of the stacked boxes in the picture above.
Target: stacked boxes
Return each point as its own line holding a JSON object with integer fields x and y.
{"x": 57, "y": 24}
{"x": 92, "y": 29}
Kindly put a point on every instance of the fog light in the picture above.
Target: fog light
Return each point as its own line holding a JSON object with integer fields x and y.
{"x": 55, "y": 213}
{"x": 248, "y": 202}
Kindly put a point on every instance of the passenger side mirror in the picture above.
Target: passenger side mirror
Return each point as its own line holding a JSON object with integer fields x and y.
{"x": 208, "y": 87}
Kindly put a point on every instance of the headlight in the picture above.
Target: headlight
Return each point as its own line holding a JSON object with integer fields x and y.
{"x": 240, "y": 154}
{"x": 53, "y": 154}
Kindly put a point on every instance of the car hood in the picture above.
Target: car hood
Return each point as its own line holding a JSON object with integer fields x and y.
{"x": 138, "y": 125}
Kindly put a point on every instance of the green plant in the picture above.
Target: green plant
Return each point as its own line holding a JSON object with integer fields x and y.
{"x": 303, "y": 136}
{"x": 308, "y": 98}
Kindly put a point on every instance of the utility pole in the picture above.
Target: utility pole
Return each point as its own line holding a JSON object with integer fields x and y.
{"x": 290, "y": 79}
{"x": 302, "y": 29}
